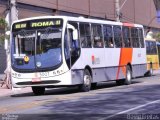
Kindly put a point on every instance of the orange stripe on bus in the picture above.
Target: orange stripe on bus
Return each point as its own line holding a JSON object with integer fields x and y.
{"x": 125, "y": 58}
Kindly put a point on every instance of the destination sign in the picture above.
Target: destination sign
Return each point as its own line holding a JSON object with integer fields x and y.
{"x": 18, "y": 26}
{"x": 45, "y": 23}
{"x": 37, "y": 24}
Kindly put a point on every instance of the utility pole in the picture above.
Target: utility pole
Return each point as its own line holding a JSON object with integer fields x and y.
{"x": 11, "y": 16}
{"x": 117, "y": 8}
{"x": 57, "y": 8}
{"x": 89, "y": 7}
{"x": 13, "y": 11}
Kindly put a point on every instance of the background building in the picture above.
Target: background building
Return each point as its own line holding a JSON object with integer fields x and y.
{"x": 135, "y": 11}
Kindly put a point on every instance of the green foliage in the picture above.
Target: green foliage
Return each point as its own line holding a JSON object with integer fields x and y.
{"x": 3, "y": 25}
{"x": 2, "y": 38}
{"x": 157, "y": 36}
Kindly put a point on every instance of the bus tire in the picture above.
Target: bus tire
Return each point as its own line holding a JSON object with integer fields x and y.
{"x": 93, "y": 86}
{"x": 151, "y": 70}
{"x": 128, "y": 78}
{"x": 120, "y": 82}
{"x": 87, "y": 78}
{"x": 38, "y": 90}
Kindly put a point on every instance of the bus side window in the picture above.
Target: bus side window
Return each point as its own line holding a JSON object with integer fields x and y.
{"x": 135, "y": 39}
{"x": 85, "y": 35}
{"x": 117, "y": 36}
{"x": 108, "y": 36}
{"x": 126, "y": 37}
{"x": 141, "y": 38}
{"x": 153, "y": 48}
{"x": 97, "y": 38}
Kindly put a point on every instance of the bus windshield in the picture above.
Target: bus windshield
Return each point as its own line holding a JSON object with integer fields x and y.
{"x": 36, "y": 49}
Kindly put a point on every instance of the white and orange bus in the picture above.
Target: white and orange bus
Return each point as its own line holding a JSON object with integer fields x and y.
{"x": 65, "y": 51}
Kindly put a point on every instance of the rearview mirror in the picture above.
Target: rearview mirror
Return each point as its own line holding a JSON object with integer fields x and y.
{"x": 75, "y": 34}
{"x": 75, "y": 31}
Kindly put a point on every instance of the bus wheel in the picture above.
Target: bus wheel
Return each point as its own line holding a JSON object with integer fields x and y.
{"x": 128, "y": 76}
{"x": 151, "y": 70}
{"x": 120, "y": 82}
{"x": 38, "y": 90}
{"x": 87, "y": 78}
{"x": 93, "y": 86}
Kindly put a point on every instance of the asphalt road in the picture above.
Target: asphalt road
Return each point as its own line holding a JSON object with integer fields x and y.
{"x": 138, "y": 101}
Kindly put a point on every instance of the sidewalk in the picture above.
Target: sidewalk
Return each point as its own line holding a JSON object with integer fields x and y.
{"x": 4, "y": 91}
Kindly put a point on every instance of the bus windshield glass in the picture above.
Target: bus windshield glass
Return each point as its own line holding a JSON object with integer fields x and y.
{"x": 37, "y": 49}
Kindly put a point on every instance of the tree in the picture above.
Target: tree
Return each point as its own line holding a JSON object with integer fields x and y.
{"x": 157, "y": 36}
{"x": 3, "y": 26}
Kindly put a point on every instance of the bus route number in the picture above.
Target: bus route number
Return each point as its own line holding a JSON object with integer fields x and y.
{"x": 44, "y": 74}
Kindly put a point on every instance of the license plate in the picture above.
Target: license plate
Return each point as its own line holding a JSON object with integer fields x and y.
{"x": 36, "y": 80}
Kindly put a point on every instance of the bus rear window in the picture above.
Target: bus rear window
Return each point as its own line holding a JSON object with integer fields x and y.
{"x": 151, "y": 48}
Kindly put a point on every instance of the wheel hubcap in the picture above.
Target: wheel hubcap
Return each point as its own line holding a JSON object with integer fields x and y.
{"x": 87, "y": 80}
{"x": 129, "y": 75}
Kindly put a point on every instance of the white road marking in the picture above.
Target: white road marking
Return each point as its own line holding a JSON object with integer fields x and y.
{"x": 135, "y": 108}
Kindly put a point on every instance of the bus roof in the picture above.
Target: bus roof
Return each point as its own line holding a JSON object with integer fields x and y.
{"x": 81, "y": 19}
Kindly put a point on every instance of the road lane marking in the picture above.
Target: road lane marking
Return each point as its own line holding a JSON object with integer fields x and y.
{"x": 135, "y": 108}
